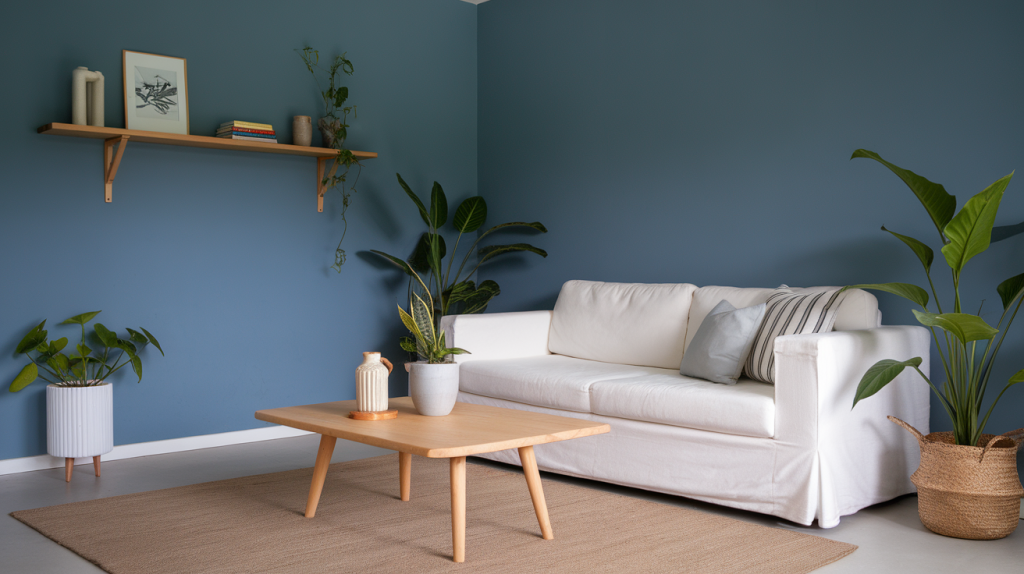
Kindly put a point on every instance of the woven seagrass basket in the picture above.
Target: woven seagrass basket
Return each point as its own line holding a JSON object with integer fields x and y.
{"x": 968, "y": 492}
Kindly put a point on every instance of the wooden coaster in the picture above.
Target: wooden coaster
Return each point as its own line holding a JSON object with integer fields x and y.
{"x": 373, "y": 415}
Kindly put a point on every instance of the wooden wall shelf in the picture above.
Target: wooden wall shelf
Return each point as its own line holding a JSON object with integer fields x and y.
{"x": 119, "y": 137}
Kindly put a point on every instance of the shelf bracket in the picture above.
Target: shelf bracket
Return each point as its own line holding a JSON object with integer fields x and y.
{"x": 321, "y": 189}
{"x": 111, "y": 162}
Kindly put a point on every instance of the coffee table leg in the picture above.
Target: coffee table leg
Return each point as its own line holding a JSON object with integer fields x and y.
{"x": 529, "y": 461}
{"x": 458, "y": 472}
{"x": 323, "y": 461}
{"x": 404, "y": 474}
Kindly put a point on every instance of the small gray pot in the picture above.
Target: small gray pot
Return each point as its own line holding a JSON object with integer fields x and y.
{"x": 434, "y": 388}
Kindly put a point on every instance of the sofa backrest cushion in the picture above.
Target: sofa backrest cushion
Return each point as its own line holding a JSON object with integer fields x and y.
{"x": 627, "y": 323}
{"x": 858, "y": 311}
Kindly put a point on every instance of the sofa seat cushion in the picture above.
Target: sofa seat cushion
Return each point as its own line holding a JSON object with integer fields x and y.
{"x": 746, "y": 408}
{"x": 553, "y": 381}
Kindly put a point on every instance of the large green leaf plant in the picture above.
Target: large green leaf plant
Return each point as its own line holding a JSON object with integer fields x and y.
{"x": 966, "y": 343}
{"x": 85, "y": 367}
{"x": 454, "y": 293}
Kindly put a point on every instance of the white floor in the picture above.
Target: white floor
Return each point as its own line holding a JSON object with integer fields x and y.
{"x": 890, "y": 536}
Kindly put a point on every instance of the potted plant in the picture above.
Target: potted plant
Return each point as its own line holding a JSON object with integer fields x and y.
{"x": 433, "y": 381}
{"x": 79, "y": 399}
{"x": 456, "y": 293}
{"x": 334, "y": 129}
{"x": 967, "y": 482}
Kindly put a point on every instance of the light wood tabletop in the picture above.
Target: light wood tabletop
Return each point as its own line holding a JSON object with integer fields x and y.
{"x": 469, "y": 429}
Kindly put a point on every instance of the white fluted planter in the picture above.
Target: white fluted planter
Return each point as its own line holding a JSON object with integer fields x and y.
{"x": 433, "y": 388}
{"x": 79, "y": 423}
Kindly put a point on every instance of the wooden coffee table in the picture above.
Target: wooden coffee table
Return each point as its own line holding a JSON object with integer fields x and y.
{"x": 469, "y": 429}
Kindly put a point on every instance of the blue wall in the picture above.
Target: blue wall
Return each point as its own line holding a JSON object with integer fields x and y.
{"x": 222, "y": 255}
{"x": 708, "y": 142}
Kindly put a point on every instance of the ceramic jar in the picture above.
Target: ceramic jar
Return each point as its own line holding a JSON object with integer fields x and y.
{"x": 434, "y": 388}
{"x": 302, "y": 130}
{"x": 372, "y": 383}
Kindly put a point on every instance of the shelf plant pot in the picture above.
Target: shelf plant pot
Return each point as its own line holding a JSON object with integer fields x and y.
{"x": 434, "y": 388}
{"x": 970, "y": 492}
{"x": 79, "y": 423}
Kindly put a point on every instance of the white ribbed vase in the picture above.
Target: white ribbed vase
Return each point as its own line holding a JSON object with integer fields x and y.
{"x": 79, "y": 420}
{"x": 371, "y": 384}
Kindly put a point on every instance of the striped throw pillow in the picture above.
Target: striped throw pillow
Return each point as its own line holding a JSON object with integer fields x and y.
{"x": 789, "y": 313}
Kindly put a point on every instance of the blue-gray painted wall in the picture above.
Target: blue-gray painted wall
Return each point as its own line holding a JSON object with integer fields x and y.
{"x": 709, "y": 142}
{"x": 222, "y": 255}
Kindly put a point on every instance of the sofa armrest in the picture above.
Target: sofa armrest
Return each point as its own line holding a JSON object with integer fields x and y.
{"x": 856, "y": 450}
{"x": 498, "y": 335}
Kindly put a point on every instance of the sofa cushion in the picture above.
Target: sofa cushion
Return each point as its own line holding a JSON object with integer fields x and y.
{"x": 720, "y": 348}
{"x": 626, "y": 323}
{"x": 553, "y": 381}
{"x": 858, "y": 311}
{"x": 746, "y": 408}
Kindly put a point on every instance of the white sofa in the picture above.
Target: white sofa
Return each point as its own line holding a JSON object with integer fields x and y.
{"x": 611, "y": 352}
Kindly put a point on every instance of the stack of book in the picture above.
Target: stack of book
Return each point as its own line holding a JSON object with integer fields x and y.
{"x": 239, "y": 130}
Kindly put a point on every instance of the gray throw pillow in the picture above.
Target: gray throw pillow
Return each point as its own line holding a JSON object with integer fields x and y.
{"x": 722, "y": 343}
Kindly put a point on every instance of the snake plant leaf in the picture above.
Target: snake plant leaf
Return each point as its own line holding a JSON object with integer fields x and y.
{"x": 456, "y": 351}
{"x": 438, "y": 207}
{"x": 470, "y": 215}
{"x": 153, "y": 340}
{"x": 939, "y": 204}
{"x": 106, "y": 335}
{"x": 1006, "y": 231}
{"x": 415, "y": 199}
{"x": 970, "y": 232}
{"x": 422, "y": 314}
{"x": 420, "y": 258}
{"x": 24, "y": 378}
{"x": 906, "y": 290}
{"x": 880, "y": 374}
{"x": 923, "y": 252}
{"x": 534, "y": 225}
{"x": 32, "y": 339}
{"x": 410, "y": 324}
{"x": 136, "y": 336}
{"x": 965, "y": 327}
{"x": 81, "y": 319}
{"x": 492, "y": 251}
{"x": 1018, "y": 378}
{"x": 1010, "y": 289}
{"x": 398, "y": 262}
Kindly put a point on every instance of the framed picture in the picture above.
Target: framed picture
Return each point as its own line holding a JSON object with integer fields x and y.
{"x": 155, "y": 93}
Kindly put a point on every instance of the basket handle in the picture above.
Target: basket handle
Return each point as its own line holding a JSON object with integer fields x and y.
{"x": 917, "y": 434}
{"x": 1017, "y": 437}
{"x": 387, "y": 364}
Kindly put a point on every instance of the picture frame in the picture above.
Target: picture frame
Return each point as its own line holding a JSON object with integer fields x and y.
{"x": 155, "y": 92}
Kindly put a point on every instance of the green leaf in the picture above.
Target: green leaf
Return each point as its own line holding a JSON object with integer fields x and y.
{"x": 415, "y": 199}
{"x": 410, "y": 324}
{"x": 407, "y": 344}
{"x": 912, "y": 292}
{"x": 470, "y": 215}
{"x": 965, "y": 327}
{"x": 81, "y": 319}
{"x": 125, "y": 346}
{"x": 83, "y": 351}
{"x": 420, "y": 258}
{"x": 25, "y": 377}
{"x": 61, "y": 361}
{"x": 153, "y": 340}
{"x": 32, "y": 340}
{"x": 492, "y": 251}
{"x": 970, "y": 232}
{"x": 1010, "y": 289}
{"x": 136, "y": 336}
{"x": 939, "y": 204}
{"x": 460, "y": 291}
{"x": 535, "y": 225}
{"x": 880, "y": 374}
{"x": 438, "y": 206}
{"x": 58, "y": 345}
{"x": 1018, "y": 378}
{"x": 923, "y": 252}
{"x": 340, "y": 95}
{"x": 477, "y": 301}
{"x": 456, "y": 351}
{"x": 108, "y": 338}
{"x": 422, "y": 314}
{"x": 137, "y": 366}
{"x": 398, "y": 262}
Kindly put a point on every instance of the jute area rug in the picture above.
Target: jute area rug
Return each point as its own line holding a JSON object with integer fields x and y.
{"x": 256, "y": 524}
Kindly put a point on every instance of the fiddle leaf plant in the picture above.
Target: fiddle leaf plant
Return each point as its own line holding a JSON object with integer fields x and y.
{"x": 85, "y": 367}
{"x": 966, "y": 343}
{"x": 456, "y": 293}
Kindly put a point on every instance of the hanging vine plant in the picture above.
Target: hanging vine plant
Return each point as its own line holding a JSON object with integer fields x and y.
{"x": 334, "y": 129}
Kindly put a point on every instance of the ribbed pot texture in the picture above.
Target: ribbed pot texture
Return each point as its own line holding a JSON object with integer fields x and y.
{"x": 79, "y": 420}
{"x": 433, "y": 388}
{"x": 964, "y": 491}
{"x": 372, "y": 384}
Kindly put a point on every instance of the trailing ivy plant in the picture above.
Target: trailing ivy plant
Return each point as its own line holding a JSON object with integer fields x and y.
{"x": 455, "y": 293}
{"x": 334, "y": 127}
{"x": 85, "y": 367}
{"x": 966, "y": 343}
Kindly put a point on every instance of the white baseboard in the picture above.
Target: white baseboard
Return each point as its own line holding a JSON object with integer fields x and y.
{"x": 44, "y": 461}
